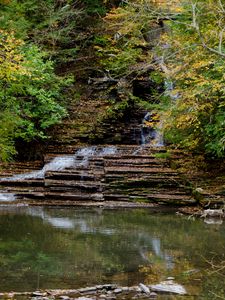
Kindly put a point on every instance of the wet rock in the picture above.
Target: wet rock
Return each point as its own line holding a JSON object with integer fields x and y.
{"x": 40, "y": 298}
{"x": 168, "y": 286}
{"x": 85, "y": 298}
{"x": 134, "y": 289}
{"x": 213, "y": 213}
{"x": 144, "y": 288}
{"x": 118, "y": 291}
{"x": 58, "y": 292}
{"x": 88, "y": 289}
{"x": 153, "y": 295}
{"x": 107, "y": 287}
{"x": 38, "y": 294}
{"x": 109, "y": 293}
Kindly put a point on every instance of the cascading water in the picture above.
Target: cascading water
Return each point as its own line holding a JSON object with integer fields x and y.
{"x": 60, "y": 163}
{"x": 149, "y": 135}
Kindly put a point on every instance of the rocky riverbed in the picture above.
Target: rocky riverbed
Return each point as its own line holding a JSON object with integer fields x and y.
{"x": 104, "y": 292}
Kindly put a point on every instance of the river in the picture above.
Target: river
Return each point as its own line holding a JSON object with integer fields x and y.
{"x": 44, "y": 248}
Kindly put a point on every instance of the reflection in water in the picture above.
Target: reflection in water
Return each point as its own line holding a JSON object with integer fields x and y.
{"x": 69, "y": 248}
{"x": 61, "y": 223}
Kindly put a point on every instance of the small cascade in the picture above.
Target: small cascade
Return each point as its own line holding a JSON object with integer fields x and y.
{"x": 149, "y": 135}
{"x": 147, "y": 132}
{"x": 158, "y": 140}
{"x": 80, "y": 160}
{"x": 98, "y": 176}
{"x": 61, "y": 163}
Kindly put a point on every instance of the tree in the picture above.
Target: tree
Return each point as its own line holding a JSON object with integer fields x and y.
{"x": 30, "y": 93}
{"x": 50, "y": 24}
{"x": 194, "y": 54}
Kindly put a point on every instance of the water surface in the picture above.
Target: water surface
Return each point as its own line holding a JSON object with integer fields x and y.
{"x": 71, "y": 248}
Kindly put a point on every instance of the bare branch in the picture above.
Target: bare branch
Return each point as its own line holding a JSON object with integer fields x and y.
{"x": 221, "y": 39}
{"x": 212, "y": 49}
{"x": 194, "y": 16}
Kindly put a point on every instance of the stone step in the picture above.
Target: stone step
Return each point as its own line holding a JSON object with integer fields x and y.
{"x": 74, "y": 197}
{"x": 158, "y": 198}
{"x": 174, "y": 199}
{"x": 30, "y": 195}
{"x": 145, "y": 179}
{"x": 23, "y": 182}
{"x": 137, "y": 170}
{"x": 78, "y": 185}
{"x": 122, "y": 177}
{"x": 134, "y": 163}
{"x": 70, "y": 175}
{"x": 146, "y": 191}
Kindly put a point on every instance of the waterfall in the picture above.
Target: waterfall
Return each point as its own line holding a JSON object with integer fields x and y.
{"x": 147, "y": 132}
{"x": 150, "y": 135}
{"x": 60, "y": 163}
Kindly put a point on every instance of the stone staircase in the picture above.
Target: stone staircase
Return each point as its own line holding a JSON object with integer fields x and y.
{"x": 125, "y": 178}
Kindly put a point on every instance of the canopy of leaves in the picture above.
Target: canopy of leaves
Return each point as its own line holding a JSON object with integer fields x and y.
{"x": 49, "y": 24}
{"x": 29, "y": 93}
{"x": 123, "y": 43}
{"x": 194, "y": 54}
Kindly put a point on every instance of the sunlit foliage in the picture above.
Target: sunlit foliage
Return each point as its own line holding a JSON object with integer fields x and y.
{"x": 194, "y": 56}
{"x": 29, "y": 91}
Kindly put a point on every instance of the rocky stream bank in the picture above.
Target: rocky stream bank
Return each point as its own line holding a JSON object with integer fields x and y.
{"x": 104, "y": 292}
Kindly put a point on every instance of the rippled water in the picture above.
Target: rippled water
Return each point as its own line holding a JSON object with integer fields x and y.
{"x": 70, "y": 248}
